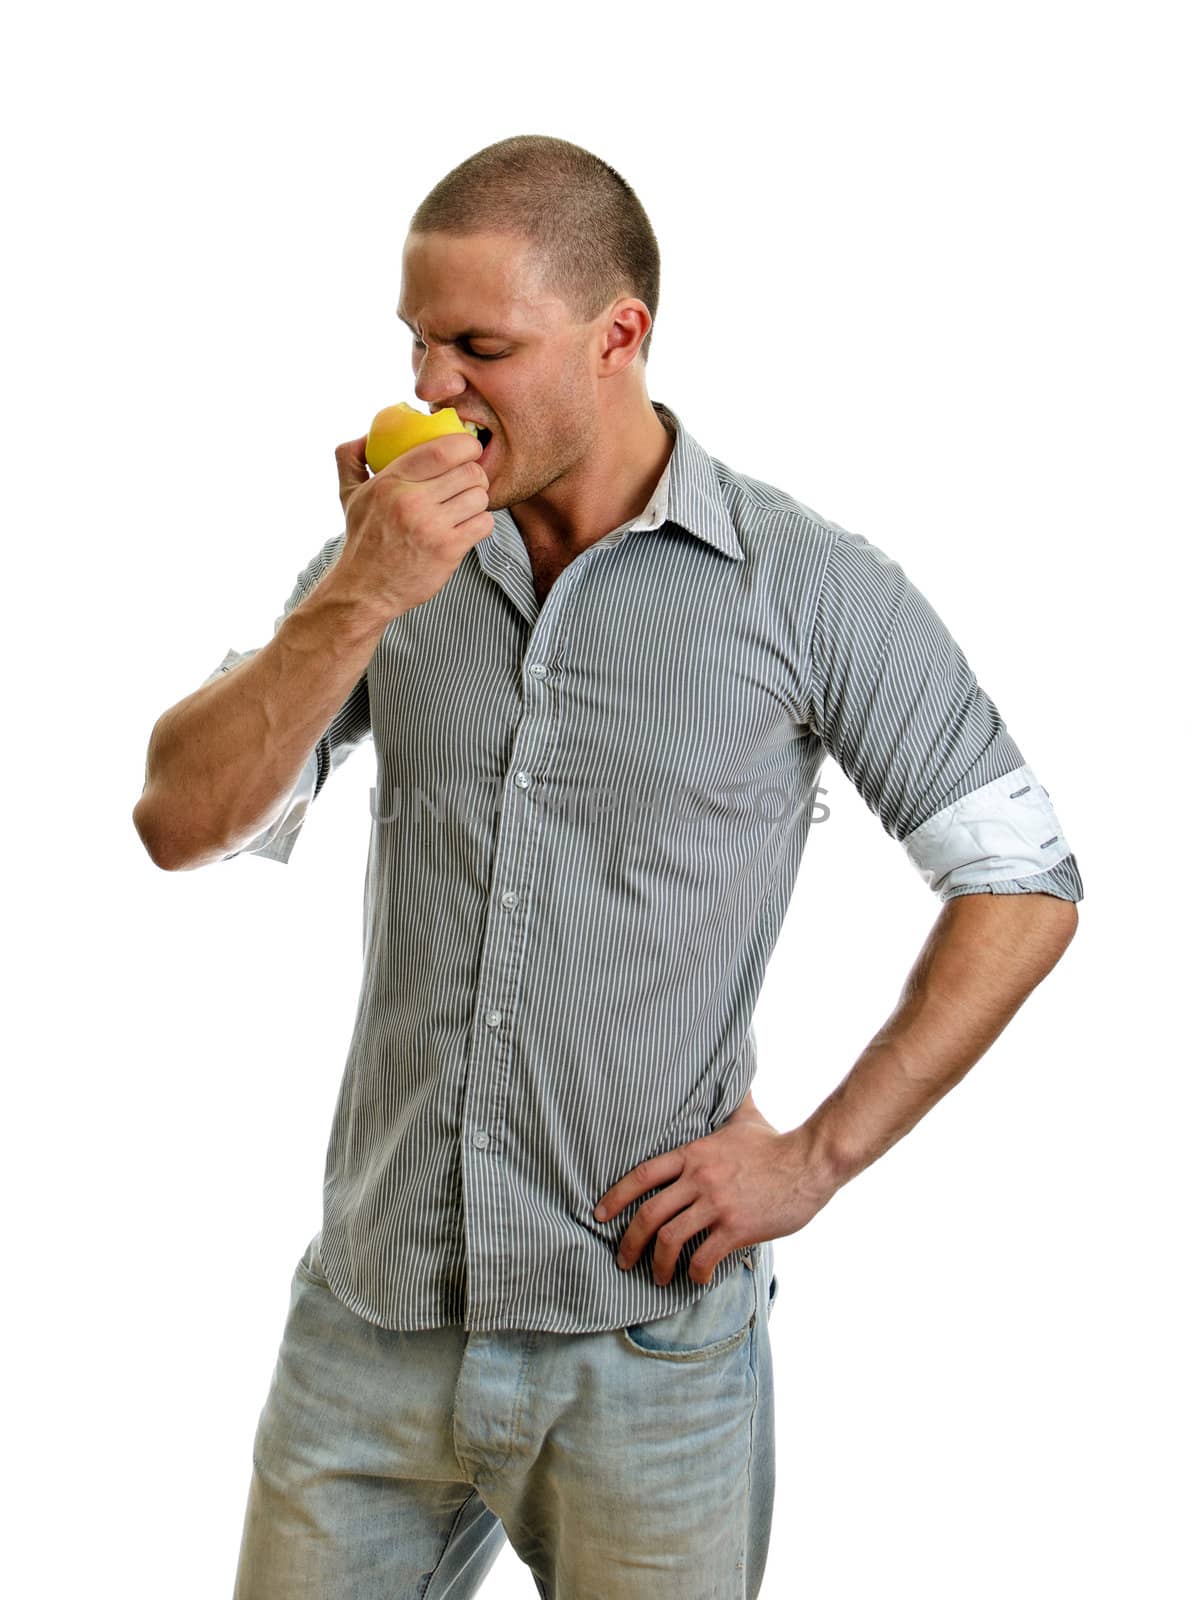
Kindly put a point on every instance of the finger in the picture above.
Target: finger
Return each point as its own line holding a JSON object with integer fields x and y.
{"x": 672, "y": 1238}
{"x": 650, "y": 1217}
{"x": 708, "y": 1257}
{"x": 351, "y": 465}
{"x": 646, "y": 1175}
{"x": 433, "y": 457}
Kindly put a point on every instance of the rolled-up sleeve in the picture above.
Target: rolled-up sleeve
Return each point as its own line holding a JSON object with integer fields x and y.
{"x": 898, "y": 707}
{"x": 348, "y": 729}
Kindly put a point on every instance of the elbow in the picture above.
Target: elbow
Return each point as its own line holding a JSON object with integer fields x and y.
{"x": 152, "y": 837}
{"x": 147, "y": 816}
{"x": 1063, "y": 913}
{"x": 164, "y": 845}
{"x": 1060, "y": 920}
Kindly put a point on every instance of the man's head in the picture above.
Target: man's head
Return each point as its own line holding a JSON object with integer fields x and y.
{"x": 546, "y": 251}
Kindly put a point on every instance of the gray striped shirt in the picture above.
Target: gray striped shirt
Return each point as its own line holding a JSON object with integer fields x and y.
{"x": 586, "y": 827}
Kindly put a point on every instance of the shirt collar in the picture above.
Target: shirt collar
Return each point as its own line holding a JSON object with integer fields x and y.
{"x": 687, "y": 494}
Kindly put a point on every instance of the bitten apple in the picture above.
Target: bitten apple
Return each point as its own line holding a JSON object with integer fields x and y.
{"x": 399, "y": 428}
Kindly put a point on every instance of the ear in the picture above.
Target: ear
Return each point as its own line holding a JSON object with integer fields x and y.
{"x": 625, "y": 327}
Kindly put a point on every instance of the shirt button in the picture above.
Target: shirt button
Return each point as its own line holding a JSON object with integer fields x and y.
{"x": 537, "y": 670}
{"x": 480, "y": 1140}
{"x": 509, "y": 898}
{"x": 493, "y": 1018}
{"x": 522, "y": 780}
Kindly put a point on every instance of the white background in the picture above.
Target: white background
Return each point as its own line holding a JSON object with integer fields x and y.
{"x": 924, "y": 268}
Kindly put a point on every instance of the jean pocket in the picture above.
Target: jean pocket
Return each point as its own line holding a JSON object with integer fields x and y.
{"x": 719, "y": 1321}
{"x": 310, "y": 1266}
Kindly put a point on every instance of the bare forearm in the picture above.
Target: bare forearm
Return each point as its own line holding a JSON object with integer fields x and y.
{"x": 222, "y": 762}
{"x": 984, "y": 955}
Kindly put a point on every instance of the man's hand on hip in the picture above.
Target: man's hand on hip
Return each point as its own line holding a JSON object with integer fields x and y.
{"x": 747, "y": 1183}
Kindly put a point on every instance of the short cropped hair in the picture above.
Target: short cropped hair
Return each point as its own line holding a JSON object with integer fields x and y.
{"x": 587, "y": 228}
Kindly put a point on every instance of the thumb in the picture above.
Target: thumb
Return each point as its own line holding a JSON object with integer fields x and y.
{"x": 351, "y": 465}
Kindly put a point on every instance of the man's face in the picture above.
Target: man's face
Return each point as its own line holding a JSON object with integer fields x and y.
{"x": 527, "y": 371}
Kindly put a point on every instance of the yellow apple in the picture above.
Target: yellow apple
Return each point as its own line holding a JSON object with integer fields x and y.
{"x": 399, "y": 428}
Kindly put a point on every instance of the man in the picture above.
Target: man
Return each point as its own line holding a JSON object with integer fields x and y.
{"x": 601, "y": 672}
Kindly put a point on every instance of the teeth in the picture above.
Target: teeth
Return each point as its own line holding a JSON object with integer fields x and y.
{"x": 471, "y": 427}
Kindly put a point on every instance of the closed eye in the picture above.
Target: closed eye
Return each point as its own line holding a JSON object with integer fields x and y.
{"x": 476, "y": 355}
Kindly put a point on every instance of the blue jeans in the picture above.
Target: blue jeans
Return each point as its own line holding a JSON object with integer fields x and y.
{"x": 629, "y": 1464}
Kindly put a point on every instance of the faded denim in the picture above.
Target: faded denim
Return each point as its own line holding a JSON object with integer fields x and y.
{"x": 628, "y": 1464}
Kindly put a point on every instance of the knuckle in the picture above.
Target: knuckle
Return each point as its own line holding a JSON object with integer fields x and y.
{"x": 640, "y": 1173}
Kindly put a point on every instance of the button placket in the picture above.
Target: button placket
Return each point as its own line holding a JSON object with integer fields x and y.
{"x": 499, "y": 984}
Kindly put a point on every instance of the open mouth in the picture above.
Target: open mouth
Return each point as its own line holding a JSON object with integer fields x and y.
{"x": 484, "y": 435}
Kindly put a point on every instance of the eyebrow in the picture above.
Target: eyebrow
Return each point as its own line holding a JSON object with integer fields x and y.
{"x": 468, "y": 333}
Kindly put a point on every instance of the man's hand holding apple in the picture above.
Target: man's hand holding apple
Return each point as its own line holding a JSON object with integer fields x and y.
{"x": 411, "y": 524}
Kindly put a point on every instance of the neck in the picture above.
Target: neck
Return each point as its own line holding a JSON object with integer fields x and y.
{"x": 613, "y": 486}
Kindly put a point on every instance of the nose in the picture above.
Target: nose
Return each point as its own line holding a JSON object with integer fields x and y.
{"x": 436, "y": 382}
